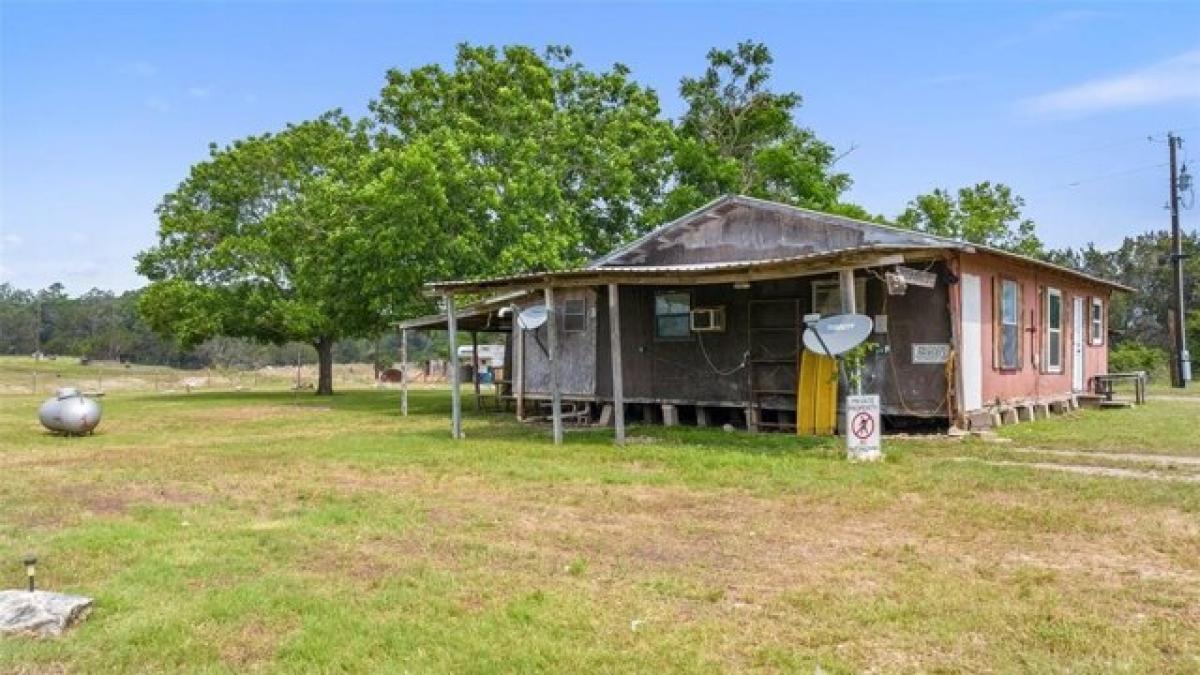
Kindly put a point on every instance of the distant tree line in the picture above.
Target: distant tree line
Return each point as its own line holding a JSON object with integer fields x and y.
{"x": 107, "y": 326}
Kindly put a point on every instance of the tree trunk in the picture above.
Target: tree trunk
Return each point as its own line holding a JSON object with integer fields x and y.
{"x": 324, "y": 366}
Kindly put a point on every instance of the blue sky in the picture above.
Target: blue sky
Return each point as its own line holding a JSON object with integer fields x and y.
{"x": 105, "y": 106}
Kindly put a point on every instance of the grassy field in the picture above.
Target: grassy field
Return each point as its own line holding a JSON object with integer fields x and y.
{"x": 243, "y": 531}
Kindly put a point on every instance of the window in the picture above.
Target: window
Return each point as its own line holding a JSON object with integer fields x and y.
{"x": 672, "y": 312}
{"x": 1097, "y": 321}
{"x": 1008, "y": 320}
{"x": 827, "y": 297}
{"x": 575, "y": 315}
{"x": 708, "y": 320}
{"x": 1053, "y": 319}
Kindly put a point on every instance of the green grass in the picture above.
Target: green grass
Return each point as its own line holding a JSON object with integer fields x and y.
{"x": 261, "y": 531}
{"x": 1164, "y": 426}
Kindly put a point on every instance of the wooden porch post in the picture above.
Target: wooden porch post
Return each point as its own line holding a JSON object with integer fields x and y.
{"x": 452, "y": 365}
{"x": 475, "y": 369}
{"x": 404, "y": 372}
{"x": 555, "y": 391}
{"x": 618, "y": 385}
{"x": 846, "y": 286}
{"x": 518, "y": 376}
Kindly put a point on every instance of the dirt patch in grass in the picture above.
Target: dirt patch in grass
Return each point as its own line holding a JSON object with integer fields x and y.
{"x": 116, "y": 500}
{"x": 254, "y": 644}
{"x": 1091, "y": 470}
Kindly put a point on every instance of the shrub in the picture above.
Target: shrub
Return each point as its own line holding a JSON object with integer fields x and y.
{"x": 1129, "y": 356}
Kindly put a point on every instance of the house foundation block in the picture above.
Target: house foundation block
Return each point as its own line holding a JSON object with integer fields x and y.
{"x": 670, "y": 415}
{"x": 1024, "y": 412}
{"x": 606, "y": 416}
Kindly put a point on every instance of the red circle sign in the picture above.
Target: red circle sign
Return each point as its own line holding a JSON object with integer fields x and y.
{"x": 862, "y": 426}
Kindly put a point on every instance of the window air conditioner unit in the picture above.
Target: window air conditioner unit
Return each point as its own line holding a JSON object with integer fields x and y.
{"x": 708, "y": 320}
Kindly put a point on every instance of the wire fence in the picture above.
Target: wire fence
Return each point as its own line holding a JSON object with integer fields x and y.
{"x": 20, "y": 375}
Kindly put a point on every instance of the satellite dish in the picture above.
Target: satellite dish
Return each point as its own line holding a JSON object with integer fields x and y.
{"x": 532, "y": 317}
{"x": 840, "y": 333}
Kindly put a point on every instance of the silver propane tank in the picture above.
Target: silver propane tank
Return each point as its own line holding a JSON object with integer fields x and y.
{"x": 69, "y": 412}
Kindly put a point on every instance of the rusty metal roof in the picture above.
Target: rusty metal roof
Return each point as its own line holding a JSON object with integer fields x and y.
{"x": 890, "y": 239}
{"x": 650, "y": 273}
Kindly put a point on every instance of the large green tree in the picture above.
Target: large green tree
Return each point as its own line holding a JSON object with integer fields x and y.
{"x": 267, "y": 239}
{"x": 535, "y": 161}
{"x": 985, "y": 213}
{"x": 739, "y": 136}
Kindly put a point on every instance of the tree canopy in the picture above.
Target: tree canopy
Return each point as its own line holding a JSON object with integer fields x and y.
{"x": 538, "y": 162}
{"x": 266, "y": 240}
{"x": 985, "y": 213}
{"x": 738, "y": 136}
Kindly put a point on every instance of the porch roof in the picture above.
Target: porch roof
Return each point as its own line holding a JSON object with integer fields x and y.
{"x": 485, "y": 316}
{"x": 701, "y": 273}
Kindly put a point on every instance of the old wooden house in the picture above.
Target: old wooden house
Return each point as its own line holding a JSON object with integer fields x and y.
{"x": 700, "y": 321}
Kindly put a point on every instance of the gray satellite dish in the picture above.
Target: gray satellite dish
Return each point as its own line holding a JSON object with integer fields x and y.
{"x": 532, "y": 317}
{"x": 837, "y": 334}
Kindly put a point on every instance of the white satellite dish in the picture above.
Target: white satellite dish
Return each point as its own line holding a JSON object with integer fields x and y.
{"x": 532, "y": 317}
{"x": 837, "y": 334}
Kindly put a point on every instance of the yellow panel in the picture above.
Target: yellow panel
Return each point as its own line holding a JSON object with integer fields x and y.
{"x": 816, "y": 399}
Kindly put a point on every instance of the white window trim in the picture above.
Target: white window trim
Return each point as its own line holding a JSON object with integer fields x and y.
{"x": 1096, "y": 323}
{"x": 1047, "y": 355}
{"x": 860, "y": 293}
{"x": 1015, "y": 322}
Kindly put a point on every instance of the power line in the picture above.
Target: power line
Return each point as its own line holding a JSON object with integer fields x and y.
{"x": 1103, "y": 176}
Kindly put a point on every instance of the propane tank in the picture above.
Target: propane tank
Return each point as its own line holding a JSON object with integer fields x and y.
{"x": 69, "y": 412}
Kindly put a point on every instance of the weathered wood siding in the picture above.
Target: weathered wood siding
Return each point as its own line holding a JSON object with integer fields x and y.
{"x": 678, "y": 370}
{"x": 760, "y": 231}
{"x": 577, "y": 357}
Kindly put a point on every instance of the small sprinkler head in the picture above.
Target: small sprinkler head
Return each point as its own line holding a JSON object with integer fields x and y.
{"x": 30, "y": 570}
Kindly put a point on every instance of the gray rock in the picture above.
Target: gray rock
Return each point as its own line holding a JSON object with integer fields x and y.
{"x": 40, "y": 613}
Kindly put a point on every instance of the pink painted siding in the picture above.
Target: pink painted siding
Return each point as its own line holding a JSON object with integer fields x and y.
{"x": 1030, "y": 380}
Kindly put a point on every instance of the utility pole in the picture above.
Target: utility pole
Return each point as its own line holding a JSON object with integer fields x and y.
{"x": 1182, "y": 366}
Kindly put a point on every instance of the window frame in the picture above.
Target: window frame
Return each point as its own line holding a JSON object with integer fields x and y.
{"x": 686, "y": 315}
{"x": 717, "y": 312}
{"x": 998, "y": 324}
{"x": 1049, "y": 331}
{"x": 581, "y": 315}
{"x": 1096, "y": 321}
{"x": 860, "y": 294}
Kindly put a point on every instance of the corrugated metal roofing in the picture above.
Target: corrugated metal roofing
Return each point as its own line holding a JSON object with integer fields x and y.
{"x": 911, "y": 241}
{"x": 660, "y": 270}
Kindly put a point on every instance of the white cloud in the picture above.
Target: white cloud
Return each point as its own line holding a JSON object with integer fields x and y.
{"x": 157, "y": 104}
{"x": 196, "y": 91}
{"x": 11, "y": 240}
{"x": 1175, "y": 79}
